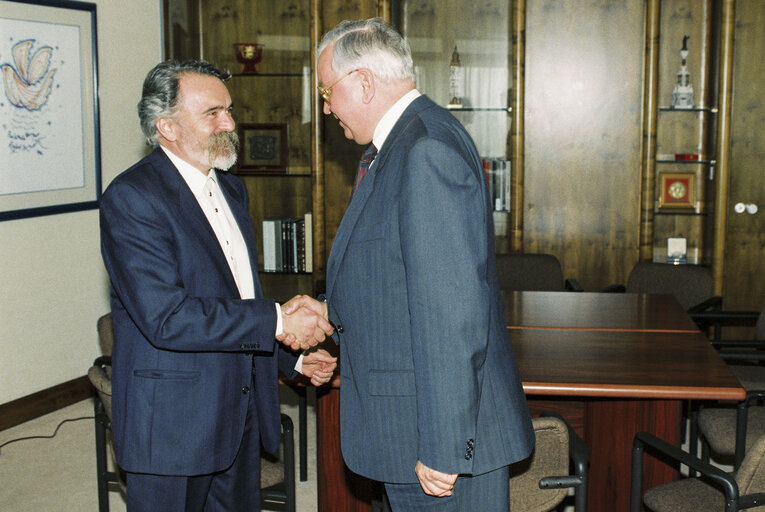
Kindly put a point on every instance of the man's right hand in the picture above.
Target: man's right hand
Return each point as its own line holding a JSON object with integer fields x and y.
{"x": 305, "y": 323}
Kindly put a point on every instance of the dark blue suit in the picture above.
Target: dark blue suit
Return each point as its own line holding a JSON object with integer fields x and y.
{"x": 427, "y": 368}
{"x": 188, "y": 351}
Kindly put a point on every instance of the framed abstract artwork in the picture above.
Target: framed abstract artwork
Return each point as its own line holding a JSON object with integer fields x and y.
{"x": 49, "y": 141}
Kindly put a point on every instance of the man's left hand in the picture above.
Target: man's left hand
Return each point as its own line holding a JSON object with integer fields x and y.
{"x": 319, "y": 366}
{"x": 434, "y": 482}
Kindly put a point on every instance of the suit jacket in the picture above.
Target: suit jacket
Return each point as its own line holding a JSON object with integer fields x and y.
{"x": 188, "y": 350}
{"x": 427, "y": 368}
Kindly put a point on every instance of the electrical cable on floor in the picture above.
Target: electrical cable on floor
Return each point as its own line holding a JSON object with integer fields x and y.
{"x": 46, "y": 437}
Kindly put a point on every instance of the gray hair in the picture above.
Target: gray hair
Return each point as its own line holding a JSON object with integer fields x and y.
{"x": 160, "y": 92}
{"x": 372, "y": 44}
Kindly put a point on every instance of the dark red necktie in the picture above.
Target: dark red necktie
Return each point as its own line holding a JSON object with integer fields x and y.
{"x": 366, "y": 160}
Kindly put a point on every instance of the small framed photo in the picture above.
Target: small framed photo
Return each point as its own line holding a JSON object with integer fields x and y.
{"x": 677, "y": 190}
{"x": 263, "y": 149}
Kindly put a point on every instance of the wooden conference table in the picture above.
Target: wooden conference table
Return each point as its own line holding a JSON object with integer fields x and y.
{"x": 612, "y": 364}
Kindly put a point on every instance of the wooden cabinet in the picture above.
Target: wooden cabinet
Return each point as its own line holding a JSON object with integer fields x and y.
{"x": 273, "y": 110}
{"x": 586, "y": 86}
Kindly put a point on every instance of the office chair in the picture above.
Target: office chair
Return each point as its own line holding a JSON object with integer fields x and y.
{"x": 533, "y": 272}
{"x": 541, "y": 482}
{"x": 277, "y": 477}
{"x": 725, "y": 430}
{"x": 692, "y": 285}
{"x": 715, "y": 490}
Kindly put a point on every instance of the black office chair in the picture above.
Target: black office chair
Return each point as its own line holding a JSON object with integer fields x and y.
{"x": 277, "y": 474}
{"x": 692, "y": 285}
{"x": 533, "y": 272}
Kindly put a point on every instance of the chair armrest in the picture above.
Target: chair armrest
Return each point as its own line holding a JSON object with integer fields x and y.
{"x": 727, "y": 318}
{"x": 103, "y": 361}
{"x": 713, "y": 303}
{"x": 572, "y": 285}
{"x": 742, "y": 355}
{"x": 754, "y": 394}
{"x": 645, "y": 440}
{"x": 753, "y": 344}
{"x": 751, "y": 500}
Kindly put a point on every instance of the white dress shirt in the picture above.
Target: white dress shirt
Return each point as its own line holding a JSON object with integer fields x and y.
{"x": 216, "y": 209}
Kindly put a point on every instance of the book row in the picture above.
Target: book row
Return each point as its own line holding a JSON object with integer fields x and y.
{"x": 288, "y": 244}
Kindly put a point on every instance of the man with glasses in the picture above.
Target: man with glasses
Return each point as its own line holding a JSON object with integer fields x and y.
{"x": 431, "y": 401}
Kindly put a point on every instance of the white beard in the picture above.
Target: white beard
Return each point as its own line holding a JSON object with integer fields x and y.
{"x": 223, "y": 150}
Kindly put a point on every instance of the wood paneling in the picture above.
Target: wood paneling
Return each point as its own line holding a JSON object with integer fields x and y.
{"x": 583, "y": 71}
{"x": 583, "y": 131}
{"x": 745, "y": 248}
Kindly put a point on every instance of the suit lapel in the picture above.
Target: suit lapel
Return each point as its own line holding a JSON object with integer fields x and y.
{"x": 191, "y": 214}
{"x": 242, "y": 216}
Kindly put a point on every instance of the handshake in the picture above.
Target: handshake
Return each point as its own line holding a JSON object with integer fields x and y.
{"x": 305, "y": 324}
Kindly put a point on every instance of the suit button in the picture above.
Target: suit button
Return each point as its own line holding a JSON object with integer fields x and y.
{"x": 245, "y": 390}
{"x": 340, "y": 328}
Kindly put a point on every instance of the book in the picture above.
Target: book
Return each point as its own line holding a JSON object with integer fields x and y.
{"x": 308, "y": 241}
{"x": 272, "y": 244}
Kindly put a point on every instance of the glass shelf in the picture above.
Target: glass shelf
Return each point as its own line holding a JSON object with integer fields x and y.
{"x": 687, "y": 162}
{"x": 688, "y": 213}
{"x": 692, "y": 109}
{"x": 253, "y": 75}
{"x": 479, "y": 109}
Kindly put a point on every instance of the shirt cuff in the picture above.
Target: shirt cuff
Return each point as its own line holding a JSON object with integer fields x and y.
{"x": 279, "y": 327}
{"x": 299, "y": 364}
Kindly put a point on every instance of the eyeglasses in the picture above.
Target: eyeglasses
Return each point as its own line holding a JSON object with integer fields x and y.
{"x": 324, "y": 92}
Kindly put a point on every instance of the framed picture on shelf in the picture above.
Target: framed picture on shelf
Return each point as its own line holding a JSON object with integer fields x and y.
{"x": 263, "y": 149}
{"x": 677, "y": 190}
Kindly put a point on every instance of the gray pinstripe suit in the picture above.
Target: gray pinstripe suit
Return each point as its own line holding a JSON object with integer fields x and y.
{"x": 427, "y": 368}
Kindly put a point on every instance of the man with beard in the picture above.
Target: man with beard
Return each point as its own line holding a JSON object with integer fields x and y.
{"x": 196, "y": 355}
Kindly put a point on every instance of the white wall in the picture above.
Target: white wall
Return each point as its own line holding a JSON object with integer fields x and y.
{"x": 53, "y": 286}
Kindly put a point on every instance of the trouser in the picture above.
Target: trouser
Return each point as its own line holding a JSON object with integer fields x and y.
{"x": 489, "y": 492}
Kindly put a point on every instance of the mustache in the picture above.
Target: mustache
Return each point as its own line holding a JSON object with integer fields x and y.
{"x": 223, "y": 144}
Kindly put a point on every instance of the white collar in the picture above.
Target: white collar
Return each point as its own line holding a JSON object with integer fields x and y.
{"x": 191, "y": 175}
{"x": 390, "y": 118}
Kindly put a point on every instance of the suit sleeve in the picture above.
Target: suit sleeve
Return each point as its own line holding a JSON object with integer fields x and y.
{"x": 442, "y": 221}
{"x": 153, "y": 274}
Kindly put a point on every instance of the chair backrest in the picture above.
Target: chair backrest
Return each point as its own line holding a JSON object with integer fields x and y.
{"x": 530, "y": 272}
{"x": 690, "y": 284}
{"x": 103, "y": 384}
{"x": 751, "y": 475}
{"x": 550, "y": 458}
{"x": 106, "y": 334}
